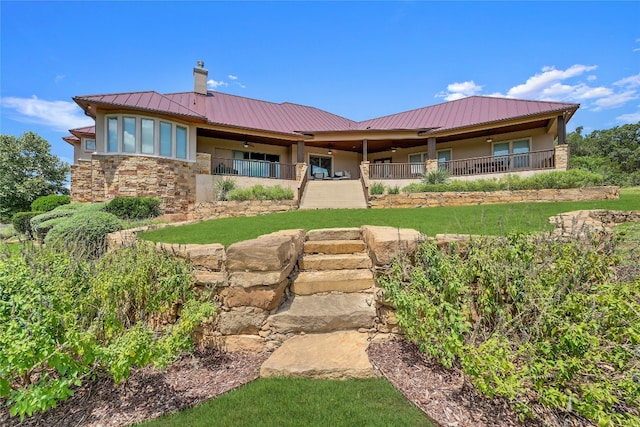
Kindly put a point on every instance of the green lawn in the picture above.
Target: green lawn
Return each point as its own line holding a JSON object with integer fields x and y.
{"x": 479, "y": 219}
{"x": 287, "y": 402}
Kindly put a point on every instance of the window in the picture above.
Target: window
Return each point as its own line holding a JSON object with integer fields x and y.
{"x": 165, "y": 139}
{"x": 181, "y": 142}
{"x": 90, "y": 145}
{"x": 444, "y": 156}
{"x": 147, "y": 138}
{"x": 112, "y": 134}
{"x": 418, "y": 158}
{"x": 129, "y": 135}
{"x": 514, "y": 153}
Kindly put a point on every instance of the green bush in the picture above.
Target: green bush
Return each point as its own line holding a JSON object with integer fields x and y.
{"x": 531, "y": 319}
{"x": 22, "y": 222}
{"x": 258, "y": 192}
{"x": 393, "y": 190}
{"x": 7, "y": 232}
{"x": 48, "y": 203}
{"x": 573, "y": 178}
{"x": 223, "y": 187}
{"x": 41, "y": 224}
{"x": 376, "y": 189}
{"x": 134, "y": 207}
{"x": 69, "y": 319}
{"x": 439, "y": 176}
{"x": 84, "y": 234}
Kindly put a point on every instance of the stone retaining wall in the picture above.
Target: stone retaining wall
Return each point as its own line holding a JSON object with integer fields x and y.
{"x": 420, "y": 200}
{"x": 246, "y": 208}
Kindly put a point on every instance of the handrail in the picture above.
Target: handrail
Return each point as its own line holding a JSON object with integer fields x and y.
{"x": 396, "y": 170}
{"x": 302, "y": 183}
{"x": 252, "y": 168}
{"x": 364, "y": 180}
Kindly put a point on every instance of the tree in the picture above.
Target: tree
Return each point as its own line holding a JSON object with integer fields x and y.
{"x": 28, "y": 170}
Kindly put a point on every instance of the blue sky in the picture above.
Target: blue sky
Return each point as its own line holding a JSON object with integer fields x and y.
{"x": 356, "y": 59}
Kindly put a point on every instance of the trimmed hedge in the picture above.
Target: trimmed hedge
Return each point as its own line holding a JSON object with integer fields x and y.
{"x": 43, "y": 223}
{"x": 22, "y": 222}
{"x": 134, "y": 207}
{"x": 49, "y": 203}
{"x": 84, "y": 234}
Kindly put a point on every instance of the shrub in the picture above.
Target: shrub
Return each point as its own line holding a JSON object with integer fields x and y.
{"x": 531, "y": 319}
{"x": 376, "y": 189}
{"x": 393, "y": 190}
{"x": 258, "y": 192}
{"x": 48, "y": 203}
{"x": 41, "y": 224}
{"x": 7, "y": 232}
{"x": 22, "y": 222}
{"x": 439, "y": 176}
{"x": 84, "y": 234}
{"x": 223, "y": 187}
{"x": 70, "y": 319}
{"x": 134, "y": 207}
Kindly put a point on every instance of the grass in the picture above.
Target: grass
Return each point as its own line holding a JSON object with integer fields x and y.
{"x": 479, "y": 219}
{"x": 303, "y": 402}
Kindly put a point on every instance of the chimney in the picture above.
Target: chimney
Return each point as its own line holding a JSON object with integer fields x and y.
{"x": 200, "y": 75}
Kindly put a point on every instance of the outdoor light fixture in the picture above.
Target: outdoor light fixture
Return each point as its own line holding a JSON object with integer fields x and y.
{"x": 329, "y": 152}
{"x": 393, "y": 149}
{"x": 246, "y": 144}
{"x": 489, "y": 139}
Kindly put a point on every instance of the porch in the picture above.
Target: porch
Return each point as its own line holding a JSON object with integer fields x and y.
{"x": 471, "y": 167}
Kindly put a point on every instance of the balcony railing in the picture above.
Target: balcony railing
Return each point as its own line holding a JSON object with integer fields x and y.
{"x": 533, "y": 160}
{"x": 252, "y": 168}
{"x": 510, "y": 163}
{"x": 396, "y": 170}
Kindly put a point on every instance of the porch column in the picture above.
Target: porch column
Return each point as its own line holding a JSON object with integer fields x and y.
{"x": 561, "y": 157}
{"x": 562, "y": 131}
{"x": 431, "y": 148}
{"x": 364, "y": 149}
{"x": 300, "y": 152}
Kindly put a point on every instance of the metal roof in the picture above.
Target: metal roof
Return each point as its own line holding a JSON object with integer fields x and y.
{"x": 219, "y": 108}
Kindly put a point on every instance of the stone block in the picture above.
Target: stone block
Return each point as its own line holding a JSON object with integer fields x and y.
{"x": 333, "y": 246}
{"x": 387, "y": 242}
{"x": 314, "y": 282}
{"x": 264, "y": 297}
{"x": 350, "y": 233}
{"x": 249, "y": 279}
{"x": 242, "y": 321}
{"x": 209, "y": 257}
{"x": 267, "y": 253}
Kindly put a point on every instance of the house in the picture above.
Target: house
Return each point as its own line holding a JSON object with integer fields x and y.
{"x": 177, "y": 145}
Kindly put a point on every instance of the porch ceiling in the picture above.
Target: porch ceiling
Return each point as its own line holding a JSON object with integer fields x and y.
{"x": 376, "y": 145}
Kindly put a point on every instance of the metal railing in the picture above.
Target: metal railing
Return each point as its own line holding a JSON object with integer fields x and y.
{"x": 532, "y": 160}
{"x": 396, "y": 170}
{"x": 252, "y": 168}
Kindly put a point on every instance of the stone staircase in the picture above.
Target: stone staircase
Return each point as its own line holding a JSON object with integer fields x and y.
{"x": 333, "y": 298}
{"x": 333, "y": 194}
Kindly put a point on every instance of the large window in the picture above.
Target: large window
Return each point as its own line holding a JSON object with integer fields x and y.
{"x": 418, "y": 158}
{"x": 144, "y": 135}
{"x": 514, "y": 153}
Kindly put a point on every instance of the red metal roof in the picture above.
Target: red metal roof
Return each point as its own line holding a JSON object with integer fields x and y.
{"x": 475, "y": 110}
{"x": 232, "y": 110}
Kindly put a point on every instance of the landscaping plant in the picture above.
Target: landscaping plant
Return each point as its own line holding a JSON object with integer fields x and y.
{"x": 50, "y": 202}
{"x": 258, "y": 192}
{"x": 223, "y": 187}
{"x": 134, "y": 207}
{"x": 64, "y": 320}
{"x": 376, "y": 189}
{"x": 541, "y": 322}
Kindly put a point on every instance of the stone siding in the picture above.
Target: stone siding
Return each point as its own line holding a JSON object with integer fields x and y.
{"x": 108, "y": 176}
{"x": 420, "y": 200}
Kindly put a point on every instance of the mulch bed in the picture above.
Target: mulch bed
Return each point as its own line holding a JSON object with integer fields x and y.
{"x": 149, "y": 393}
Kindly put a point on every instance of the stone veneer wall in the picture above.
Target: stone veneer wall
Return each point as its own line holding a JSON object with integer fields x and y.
{"x": 419, "y": 200}
{"x": 108, "y": 176}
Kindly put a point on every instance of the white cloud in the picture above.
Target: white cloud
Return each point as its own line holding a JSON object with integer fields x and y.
{"x": 232, "y": 77}
{"x": 629, "y": 82}
{"x": 58, "y": 78}
{"x": 592, "y": 78}
{"x": 535, "y": 86}
{"x": 630, "y": 117}
{"x": 615, "y": 100}
{"x": 460, "y": 90}
{"x": 58, "y": 115}
{"x": 214, "y": 84}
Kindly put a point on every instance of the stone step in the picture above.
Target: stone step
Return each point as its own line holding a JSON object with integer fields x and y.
{"x": 343, "y": 194}
{"x": 334, "y": 246}
{"x": 325, "y": 313}
{"x": 314, "y": 282}
{"x": 337, "y": 355}
{"x": 348, "y": 233}
{"x": 335, "y": 262}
